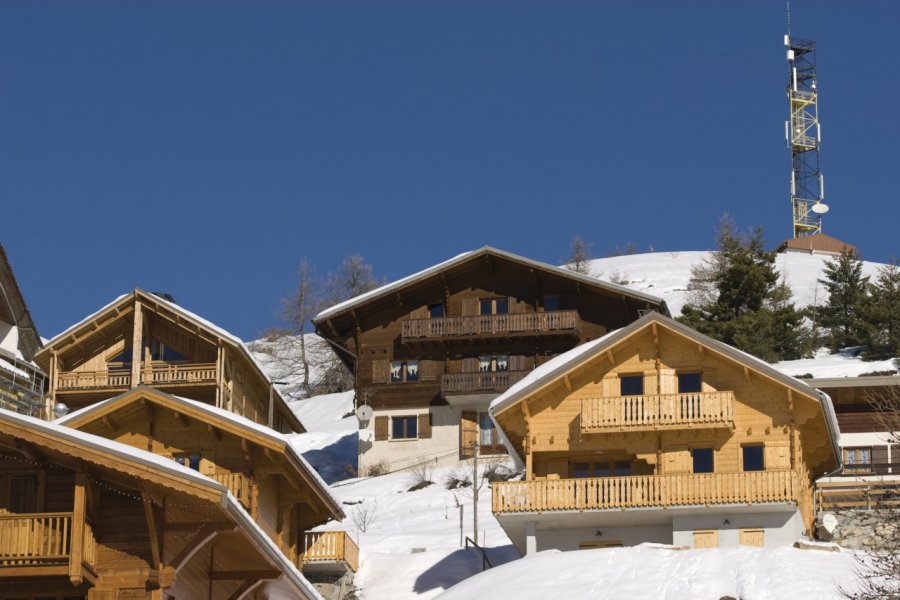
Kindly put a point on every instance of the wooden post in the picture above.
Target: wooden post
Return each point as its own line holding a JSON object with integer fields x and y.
{"x": 272, "y": 405}
{"x": 137, "y": 339}
{"x": 54, "y": 375}
{"x": 220, "y": 368}
{"x": 76, "y": 546}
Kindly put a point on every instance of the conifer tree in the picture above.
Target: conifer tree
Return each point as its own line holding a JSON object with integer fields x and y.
{"x": 882, "y": 335}
{"x": 844, "y": 313}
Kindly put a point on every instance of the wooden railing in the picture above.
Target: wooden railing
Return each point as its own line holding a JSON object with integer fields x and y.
{"x": 701, "y": 409}
{"x": 89, "y": 555}
{"x": 41, "y": 539}
{"x": 487, "y": 381}
{"x": 330, "y": 546}
{"x": 857, "y": 493}
{"x": 480, "y": 325}
{"x": 163, "y": 373}
{"x": 645, "y": 491}
{"x": 240, "y": 486}
{"x": 79, "y": 380}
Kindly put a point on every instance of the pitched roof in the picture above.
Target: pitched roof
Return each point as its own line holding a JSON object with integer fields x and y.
{"x": 235, "y": 424}
{"x": 150, "y": 299}
{"x": 435, "y": 270}
{"x": 817, "y": 242}
{"x": 14, "y": 303}
{"x": 571, "y": 360}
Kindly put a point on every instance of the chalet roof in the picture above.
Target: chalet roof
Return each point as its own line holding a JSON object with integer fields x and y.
{"x": 127, "y": 458}
{"x": 816, "y": 243}
{"x": 13, "y": 303}
{"x": 473, "y": 255}
{"x": 228, "y": 421}
{"x": 151, "y": 300}
{"x": 571, "y": 360}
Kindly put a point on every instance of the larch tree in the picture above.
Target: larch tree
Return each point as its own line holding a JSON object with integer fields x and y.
{"x": 579, "y": 256}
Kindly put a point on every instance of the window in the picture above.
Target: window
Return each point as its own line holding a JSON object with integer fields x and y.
{"x": 436, "y": 310}
{"x": 689, "y": 383}
{"x": 604, "y": 468}
{"x": 404, "y": 370}
{"x": 857, "y": 460}
{"x": 551, "y": 303}
{"x": 753, "y": 457}
{"x": 190, "y": 460}
{"x": 494, "y": 306}
{"x": 703, "y": 460}
{"x": 160, "y": 351}
{"x": 632, "y": 385}
{"x": 405, "y": 427}
{"x": 487, "y": 433}
{"x": 493, "y": 362}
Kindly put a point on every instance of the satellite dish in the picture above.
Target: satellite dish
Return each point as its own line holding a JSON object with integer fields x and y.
{"x": 364, "y": 412}
{"x": 820, "y": 208}
{"x": 829, "y": 522}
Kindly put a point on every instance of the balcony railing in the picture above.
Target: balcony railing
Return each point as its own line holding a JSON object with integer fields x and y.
{"x": 645, "y": 491}
{"x": 35, "y": 539}
{"x": 551, "y": 322}
{"x": 330, "y": 546}
{"x": 487, "y": 381}
{"x": 158, "y": 374}
{"x": 240, "y": 486}
{"x": 633, "y": 413}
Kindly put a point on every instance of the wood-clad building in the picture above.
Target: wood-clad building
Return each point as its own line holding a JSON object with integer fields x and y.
{"x": 817, "y": 243}
{"x": 431, "y": 350}
{"x": 22, "y": 383}
{"x": 658, "y": 433}
{"x": 143, "y": 338}
{"x": 85, "y": 517}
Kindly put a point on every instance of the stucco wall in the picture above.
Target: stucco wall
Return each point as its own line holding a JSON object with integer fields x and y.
{"x": 781, "y": 528}
{"x": 570, "y": 539}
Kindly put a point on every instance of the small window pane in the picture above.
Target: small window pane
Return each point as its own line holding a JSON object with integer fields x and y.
{"x": 412, "y": 426}
{"x": 623, "y": 467}
{"x": 396, "y": 371}
{"x": 486, "y": 430}
{"x": 436, "y": 310}
{"x": 689, "y": 383}
{"x": 397, "y": 429}
{"x": 412, "y": 370}
{"x": 581, "y": 469}
{"x": 484, "y": 363}
{"x": 703, "y": 460}
{"x": 632, "y": 385}
{"x": 551, "y": 303}
{"x": 503, "y": 362}
{"x": 194, "y": 462}
{"x": 753, "y": 458}
{"x": 601, "y": 470}
{"x": 487, "y": 306}
{"x": 502, "y": 306}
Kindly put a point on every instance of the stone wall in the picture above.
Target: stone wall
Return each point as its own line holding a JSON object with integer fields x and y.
{"x": 866, "y": 529}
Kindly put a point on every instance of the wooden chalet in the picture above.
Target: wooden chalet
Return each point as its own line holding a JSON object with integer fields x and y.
{"x": 431, "y": 350}
{"x": 273, "y": 483}
{"x": 817, "y": 243}
{"x": 85, "y": 517}
{"x": 143, "y": 338}
{"x": 656, "y": 433}
{"x": 22, "y": 383}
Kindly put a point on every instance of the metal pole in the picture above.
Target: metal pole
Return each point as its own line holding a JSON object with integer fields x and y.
{"x": 461, "y": 533}
{"x": 475, "y": 484}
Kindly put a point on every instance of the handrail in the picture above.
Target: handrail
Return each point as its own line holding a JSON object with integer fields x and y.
{"x": 74, "y": 380}
{"x": 484, "y": 559}
{"x": 36, "y": 539}
{"x": 645, "y": 491}
{"x": 658, "y": 410}
{"x": 240, "y": 486}
{"x": 492, "y": 381}
{"x": 537, "y": 322}
{"x": 179, "y": 373}
{"x": 333, "y": 546}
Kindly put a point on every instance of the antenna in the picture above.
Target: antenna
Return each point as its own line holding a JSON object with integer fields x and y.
{"x": 804, "y": 135}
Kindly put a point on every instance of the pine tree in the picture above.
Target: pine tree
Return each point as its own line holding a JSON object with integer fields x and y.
{"x": 843, "y": 314}
{"x": 882, "y": 313}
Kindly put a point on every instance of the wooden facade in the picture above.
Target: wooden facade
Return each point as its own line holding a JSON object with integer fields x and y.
{"x": 82, "y": 517}
{"x": 143, "y": 339}
{"x": 659, "y": 416}
{"x": 454, "y": 336}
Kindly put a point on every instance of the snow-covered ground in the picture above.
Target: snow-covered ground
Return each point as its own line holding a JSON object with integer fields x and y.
{"x": 845, "y": 363}
{"x": 331, "y": 442}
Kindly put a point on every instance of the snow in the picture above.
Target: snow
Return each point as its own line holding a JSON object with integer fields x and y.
{"x": 652, "y": 571}
{"x": 331, "y": 443}
{"x": 846, "y": 363}
{"x": 279, "y": 359}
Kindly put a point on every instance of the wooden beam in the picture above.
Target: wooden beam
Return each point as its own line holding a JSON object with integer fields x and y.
{"x": 247, "y": 574}
{"x": 245, "y": 588}
{"x": 215, "y": 431}
{"x": 108, "y": 422}
{"x": 182, "y": 418}
{"x": 76, "y": 548}
{"x": 29, "y": 451}
{"x": 567, "y": 383}
{"x": 152, "y": 531}
{"x": 746, "y": 373}
{"x": 203, "y": 536}
{"x": 609, "y": 355}
{"x": 400, "y": 301}
{"x": 271, "y": 419}
{"x": 195, "y": 525}
{"x": 137, "y": 339}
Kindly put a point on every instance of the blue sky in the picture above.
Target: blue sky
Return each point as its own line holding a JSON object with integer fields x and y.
{"x": 205, "y": 148}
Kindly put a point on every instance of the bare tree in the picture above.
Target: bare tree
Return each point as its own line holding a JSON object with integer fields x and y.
{"x": 352, "y": 278}
{"x": 297, "y": 309}
{"x": 579, "y": 255}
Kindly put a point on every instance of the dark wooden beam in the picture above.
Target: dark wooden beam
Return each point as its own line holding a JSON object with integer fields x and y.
{"x": 248, "y": 574}
{"x": 29, "y": 451}
{"x": 215, "y": 431}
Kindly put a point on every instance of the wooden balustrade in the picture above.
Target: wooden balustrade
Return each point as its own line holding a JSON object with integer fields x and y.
{"x": 857, "y": 493}
{"x": 551, "y": 322}
{"x": 330, "y": 546}
{"x": 79, "y": 380}
{"x": 36, "y": 539}
{"x": 240, "y": 486}
{"x": 486, "y": 381}
{"x": 661, "y": 411}
{"x": 164, "y": 373}
{"x": 89, "y": 555}
{"x": 645, "y": 491}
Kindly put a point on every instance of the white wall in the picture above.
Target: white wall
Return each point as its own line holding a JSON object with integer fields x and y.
{"x": 441, "y": 449}
{"x": 569, "y": 539}
{"x": 781, "y": 528}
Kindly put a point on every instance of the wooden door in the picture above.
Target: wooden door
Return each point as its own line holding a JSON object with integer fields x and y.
{"x": 468, "y": 433}
{"x": 752, "y": 537}
{"x": 706, "y": 538}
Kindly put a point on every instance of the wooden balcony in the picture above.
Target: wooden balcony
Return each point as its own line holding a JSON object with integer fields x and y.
{"x": 663, "y": 411}
{"x": 481, "y": 382}
{"x": 329, "y": 548}
{"x": 40, "y": 544}
{"x": 645, "y": 491}
{"x": 155, "y": 374}
{"x": 561, "y": 322}
{"x": 240, "y": 486}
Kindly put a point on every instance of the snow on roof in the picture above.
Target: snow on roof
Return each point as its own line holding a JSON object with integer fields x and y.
{"x": 432, "y": 270}
{"x": 84, "y": 321}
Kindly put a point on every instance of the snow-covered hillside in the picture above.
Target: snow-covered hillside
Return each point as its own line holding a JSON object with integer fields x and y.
{"x": 666, "y": 274}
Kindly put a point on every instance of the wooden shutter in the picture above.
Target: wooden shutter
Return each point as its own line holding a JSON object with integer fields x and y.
{"x": 470, "y": 307}
{"x": 427, "y": 370}
{"x": 668, "y": 382}
{"x": 425, "y": 426}
{"x": 419, "y": 313}
{"x": 381, "y": 428}
{"x": 777, "y": 455}
{"x": 610, "y": 386}
{"x": 706, "y": 538}
{"x": 513, "y": 305}
{"x": 752, "y": 537}
{"x": 468, "y": 433}
{"x": 517, "y": 362}
{"x": 880, "y": 459}
{"x": 208, "y": 463}
{"x": 381, "y": 370}
{"x": 470, "y": 365}
{"x": 677, "y": 460}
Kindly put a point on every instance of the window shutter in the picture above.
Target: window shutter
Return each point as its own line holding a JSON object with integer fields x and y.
{"x": 513, "y": 305}
{"x": 880, "y": 459}
{"x": 208, "y": 463}
{"x": 517, "y": 363}
{"x": 610, "y": 386}
{"x": 470, "y": 365}
{"x": 777, "y": 455}
{"x": 381, "y": 370}
{"x": 668, "y": 382}
{"x": 677, "y": 460}
{"x": 425, "y": 426}
{"x": 469, "y": 307}
{"x": 468, "y": 433}
{"x": 381, "y": 428}
{"x": 419, "y": 313}
{"x": 427, "y": 370}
